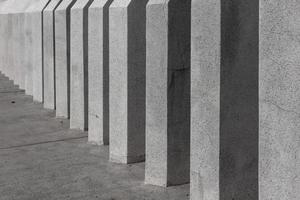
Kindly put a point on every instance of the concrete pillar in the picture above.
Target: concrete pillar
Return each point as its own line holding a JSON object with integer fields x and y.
{"x": 20, "y": 49}
{"x": 244, "y": 97}
{"x": 62, "y": 58}
{"x": 79, "y": 65}
{"x": 27, "y": 71}
{"x": 168, "y": 92}
{"x": 205, "y": 99}
{"x": 279, "y": 105}
{"x": 32, "y": 67}
{"x": 49, "y": 54}
{"x": 99, "y": 71}
{"x": 37, "y": 53}
{"x": 127, "y": 60}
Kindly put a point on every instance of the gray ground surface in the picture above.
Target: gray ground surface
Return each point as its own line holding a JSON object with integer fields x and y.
{"x": 40, "y": 158}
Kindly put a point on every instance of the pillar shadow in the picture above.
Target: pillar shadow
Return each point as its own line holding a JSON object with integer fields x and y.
{"x": 179, "y": 61}
{"x": 239, "y": 100}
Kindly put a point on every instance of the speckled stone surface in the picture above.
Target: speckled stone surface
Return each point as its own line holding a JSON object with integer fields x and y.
{"x": 79, "y": 65}
{"x": 49, "y": 54}
{"x": 98, "y": 72}
{"x": 127, "y": 54}
{"x": 205, "y": 99}
{"x": 279, "y": 100}
{"x": 167, "y": 93}
{"x": 62, "y": 58}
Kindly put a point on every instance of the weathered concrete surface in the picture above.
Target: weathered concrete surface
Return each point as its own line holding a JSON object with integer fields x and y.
{"x": 79, "y": 65}
{"x": 205, "y": 99}
{"x": 168, "y": 92}
{"x": 49, "y": 54}
{"x": 40, "y": 158}
{"x": 245, "y": 141}
{"x": 127, "y": 59}
{"x": 62, "y": 58}
{"x": 279, "y": 105}
{"x": 21, "y": 44}
{"x": 98, "y": 63}
{"x": 34, "y": 14}
{"x": 224, "y": 100}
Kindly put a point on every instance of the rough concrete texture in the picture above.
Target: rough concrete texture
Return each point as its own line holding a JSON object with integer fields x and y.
{"x": 98, "y": 72}
{"x": 168, "y": 92}
{"x": 127, "y": 54}
{"x": 35, "y": 15}
{"x": 245, "y": 100}
{"x": 79, "y": 65}
{"x": 40, "y": 158}
{"x": 224, "y": 136}
{"x": 62, "y": 58}
{"x": 279, "y": 94}
{"x": 205, "y": 99}
{"x": 49, "y": 54}
{"x": 21, "y": 44}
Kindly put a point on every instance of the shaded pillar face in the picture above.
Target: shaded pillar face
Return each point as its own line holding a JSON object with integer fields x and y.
{"x": 62, "y": 58}
{"x": 239, "y": 100}
{"x": 49, "y": 54}
{"x": 127, "y": 54}
{"x": 168, "y": 92}
{"x": 279, "y": 94}
{"x": 79, "y": 65}
{"x": 99, "y": 72}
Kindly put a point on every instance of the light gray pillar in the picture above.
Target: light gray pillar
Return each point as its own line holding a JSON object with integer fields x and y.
{"x": 205, "y": 99}
{"x": 33, "y": 34}
{"x": 168, "y": 92}
{"x": 127, "y": 54}
{"x": 79, "y": 65}
{"x": 279, "y": 100}
{"x": 49, "y": 54}
{"x": 20, "y": 49}
{"x": 62, "y": 58}
{"x": 98, "y": 67}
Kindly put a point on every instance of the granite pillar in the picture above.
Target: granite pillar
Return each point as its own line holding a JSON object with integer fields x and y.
{"x": 244, "y": 94}
{"x": 62, "y": 58}
{"x": 127, "y": 60}
{"x": 49, "y": 54}
{"x": 98, "y": 67}
{"x": 168, "y": 92}
{"x": 79, "y": 65}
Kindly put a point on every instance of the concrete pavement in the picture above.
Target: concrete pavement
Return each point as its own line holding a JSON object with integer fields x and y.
{"x": 42, "y": 159}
